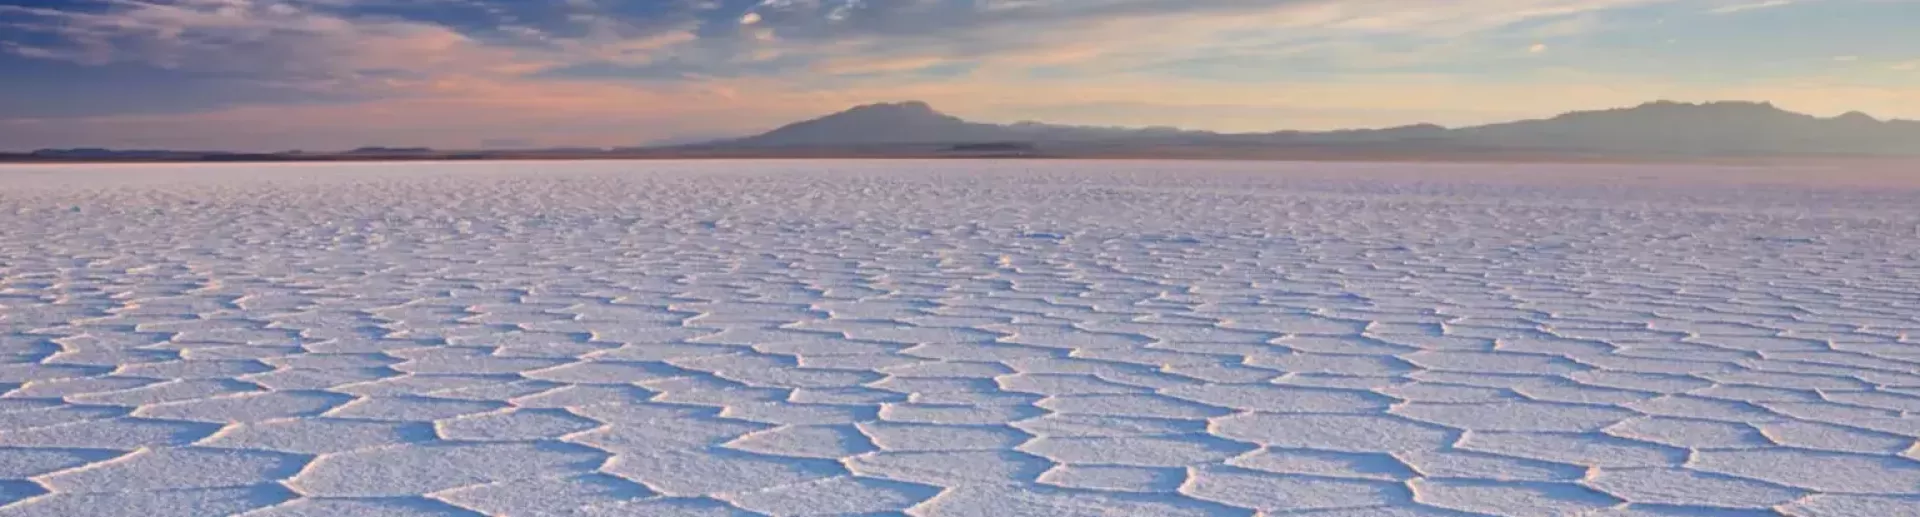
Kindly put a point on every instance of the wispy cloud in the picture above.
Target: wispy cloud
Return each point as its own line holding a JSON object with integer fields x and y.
{"x": 1750, "y": 6}
{"x": 266, "y": 41}
{"x": 356, "y": 39}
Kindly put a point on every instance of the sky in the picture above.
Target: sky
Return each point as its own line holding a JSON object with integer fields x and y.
{"x": 267, "y": 75}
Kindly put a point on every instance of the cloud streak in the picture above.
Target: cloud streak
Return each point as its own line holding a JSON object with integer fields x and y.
{"x": 1750, "y": 6}
{"x": 338, "y": 39}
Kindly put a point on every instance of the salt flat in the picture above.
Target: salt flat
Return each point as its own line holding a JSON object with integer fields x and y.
{"x": 956, "y": 338}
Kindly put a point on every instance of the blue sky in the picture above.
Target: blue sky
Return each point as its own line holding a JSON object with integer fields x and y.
{"x": 331, "y": 74}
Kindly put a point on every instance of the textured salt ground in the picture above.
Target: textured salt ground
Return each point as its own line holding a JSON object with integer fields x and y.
{"x": 954, "y": 338}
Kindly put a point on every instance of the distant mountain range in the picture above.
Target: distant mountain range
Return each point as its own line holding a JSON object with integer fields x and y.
{"x": 1660, "y": 131}
{"x": 1660, "y": 128}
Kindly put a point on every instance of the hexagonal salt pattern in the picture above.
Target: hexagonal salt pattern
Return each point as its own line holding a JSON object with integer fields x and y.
{"x": 951, "y": 338}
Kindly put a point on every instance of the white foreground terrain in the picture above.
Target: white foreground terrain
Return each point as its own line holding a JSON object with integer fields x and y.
{"x": 934, "y": 338}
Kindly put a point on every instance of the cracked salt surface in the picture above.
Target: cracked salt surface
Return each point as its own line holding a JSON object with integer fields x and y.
{"x": 954, "y": 338}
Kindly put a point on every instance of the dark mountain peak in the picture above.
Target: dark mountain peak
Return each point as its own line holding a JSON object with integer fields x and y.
{"x": 1672, "y": 104}
{"x": 902, "y": 107}
{"x": 1725, "y": 118}
{"x": 1668, "y": 108}
{"x": 1855, "y": 117}
{"x": 1743, "y": 107}
{"x": 908, "y": 112}
{"x": 895, "y": 112}
{"x": 1725, "y": 127}
{"x": 879, "y": 123}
